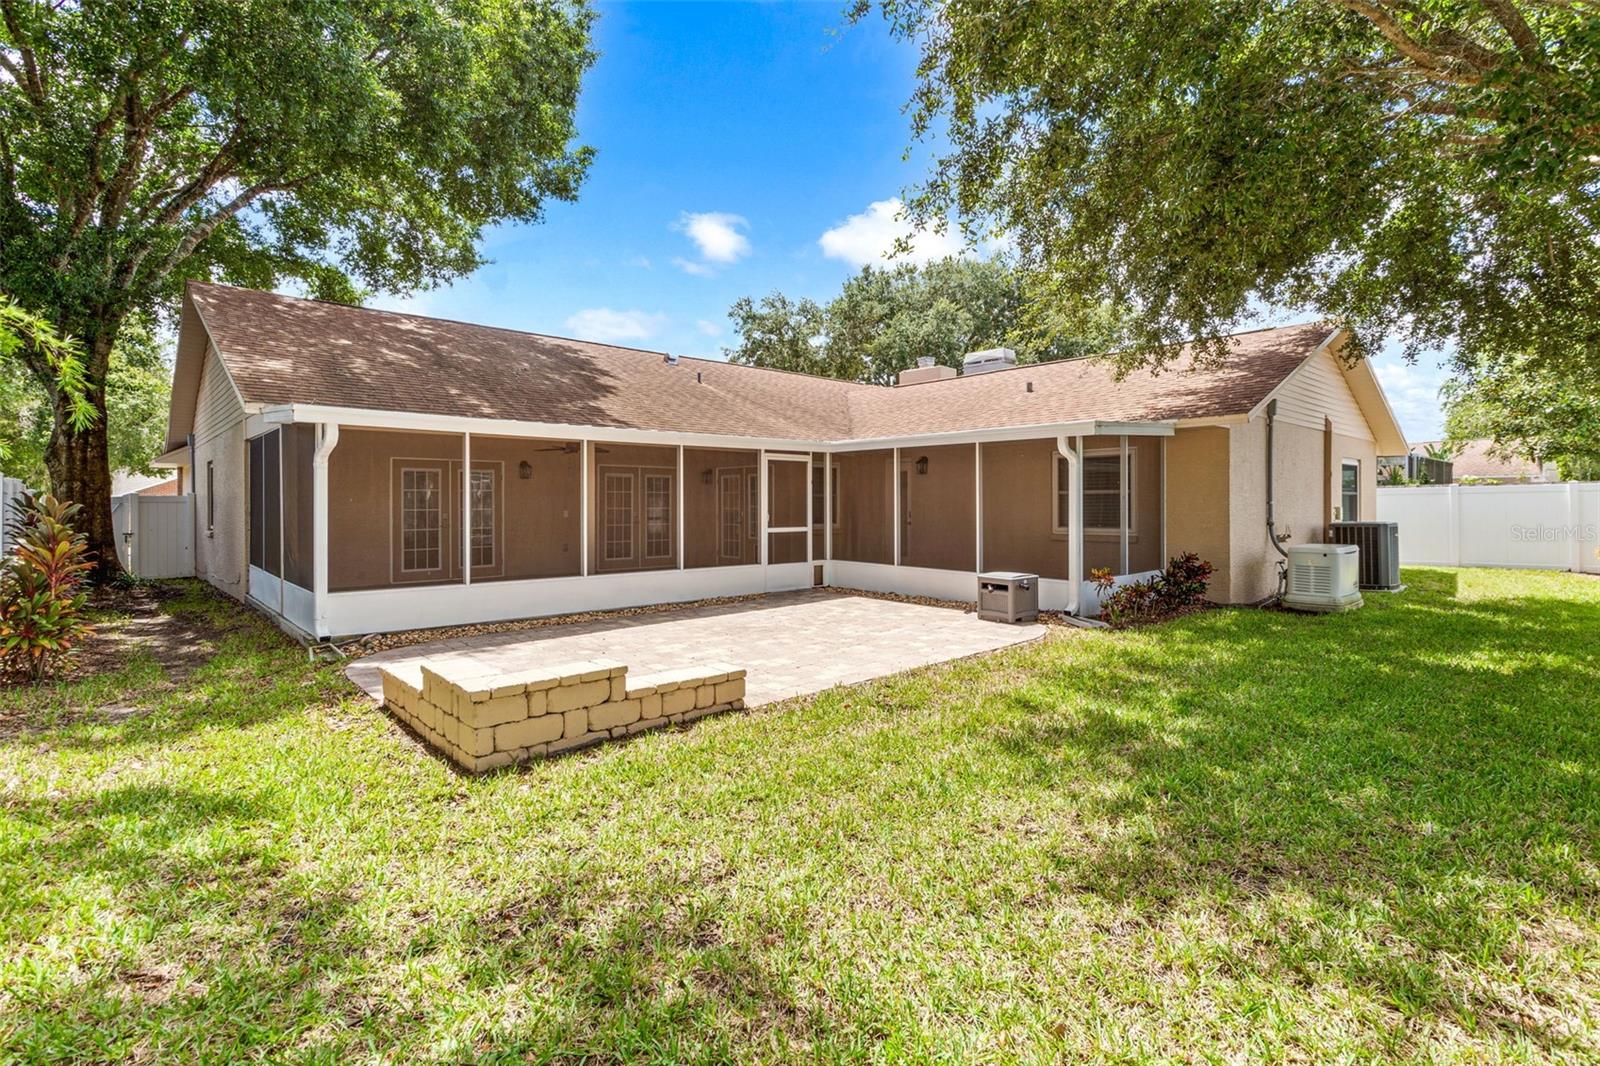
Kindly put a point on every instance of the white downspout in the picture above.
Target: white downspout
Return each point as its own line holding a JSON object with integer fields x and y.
{"x": 1075, "y": 529}
{"x": 319, "y": 527}
{"x": 466, "y": 508}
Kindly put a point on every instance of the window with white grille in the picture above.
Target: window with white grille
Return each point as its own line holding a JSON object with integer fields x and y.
{"x": 730, "y": 490}
{"x": 481, "y": 499}
{"x": 617, "y": 524}
{"x": 658, "y": 516}
{"x": 1102, "y": 492}
{"x": 420, "y": 519}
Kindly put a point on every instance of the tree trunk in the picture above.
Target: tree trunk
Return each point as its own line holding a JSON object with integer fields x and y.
{"x": 80, "y": 467}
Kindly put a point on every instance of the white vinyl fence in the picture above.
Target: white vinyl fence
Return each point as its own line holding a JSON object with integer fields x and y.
{"x": 10, "y": 489}
{"x": 1545, "y": 527}
{"x": 155, "y": 534}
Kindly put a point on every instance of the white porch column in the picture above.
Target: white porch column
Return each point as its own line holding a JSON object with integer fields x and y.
{"x": 1073, "y": 454}
{"x": 1162, "y": 558}
{"x": 466, "y": 508}
{"x": 283, "y": 574}
{"x": 1122, "y": 499}
{"x": 328, "y": 439}
{"x": 827, "y": 506}
{"x": 811, "y": 521}
{"x": 977, "y": 504}
{"x": 899, "y": 524}
{"x": 583, "y": 509}
{"x": 681, "y": 547}
{"x": 761, "y": 482}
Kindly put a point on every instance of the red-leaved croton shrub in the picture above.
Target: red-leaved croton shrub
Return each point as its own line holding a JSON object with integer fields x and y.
{"x": 1181, "y": 585}
{"x": 42, "y": 593}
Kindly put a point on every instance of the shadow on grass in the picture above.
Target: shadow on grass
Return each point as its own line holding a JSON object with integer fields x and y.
{"x": 1433, "y": 752}
{"x": 259, "y": 935}
{"x": 238, "y": 670}
{"x": 1386, "y": 794}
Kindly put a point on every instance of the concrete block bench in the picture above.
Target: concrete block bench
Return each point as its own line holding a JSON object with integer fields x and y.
{"x": 487, "y": 720}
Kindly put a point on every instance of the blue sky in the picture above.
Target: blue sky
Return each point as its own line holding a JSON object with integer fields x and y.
{"x": 742, "y": 148}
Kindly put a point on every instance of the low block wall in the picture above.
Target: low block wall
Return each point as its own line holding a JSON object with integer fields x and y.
{"x": 484, "y": 721}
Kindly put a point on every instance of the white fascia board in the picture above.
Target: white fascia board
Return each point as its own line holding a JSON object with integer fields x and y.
{"x": 411, "y": 421}
{"x": 1043, "y": 430}
{"x": 1225, "y": 421}
{"x": 358, "y": 417}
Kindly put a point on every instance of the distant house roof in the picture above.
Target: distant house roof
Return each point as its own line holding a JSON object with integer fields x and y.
{"x": 1477, "y": 459}
{"x": 281, "y": 350}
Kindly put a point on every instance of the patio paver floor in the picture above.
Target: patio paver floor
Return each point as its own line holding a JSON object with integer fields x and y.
{"x": 791, "y": 644}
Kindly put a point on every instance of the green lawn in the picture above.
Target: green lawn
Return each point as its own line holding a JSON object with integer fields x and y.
{"x": 1241, "y": 836}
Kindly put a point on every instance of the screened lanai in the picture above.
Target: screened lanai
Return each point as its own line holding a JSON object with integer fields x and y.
{"x": 631, "y": 521}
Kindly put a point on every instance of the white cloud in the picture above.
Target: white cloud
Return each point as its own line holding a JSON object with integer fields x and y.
{"x": 1413, "y": 392}
{"x": 640, "y": 261}
{"x": 717, "y": 234}
{"x": 870, "y": 238}
{"x": 709, "y": 328}
{"x": 689, "y": 266}
{"x": 608, "y": 326}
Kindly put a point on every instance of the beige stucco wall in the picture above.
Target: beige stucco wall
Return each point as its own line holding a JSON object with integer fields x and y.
{"x": 1306, "y": 483}
{"x": 1199, "y": 493}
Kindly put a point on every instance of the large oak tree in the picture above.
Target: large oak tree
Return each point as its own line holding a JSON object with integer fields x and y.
{"x": 886, "y": 317}
{"x": 1421, "y": 168}
{"x": 341, "y": 145}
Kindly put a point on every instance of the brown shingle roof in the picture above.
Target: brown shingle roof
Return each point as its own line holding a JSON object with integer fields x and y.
{"x": 280, "y": 350}
{"x": 1480, "y": 458}
{"x": 1083, "y": 389}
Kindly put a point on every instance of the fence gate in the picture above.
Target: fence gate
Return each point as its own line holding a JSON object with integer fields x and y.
{"x": 155, "y": 534}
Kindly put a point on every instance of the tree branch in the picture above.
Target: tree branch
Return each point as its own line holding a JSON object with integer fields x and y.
{"x": 215, "y": 169}
{"x": 32, "y": 83}
{"x": 1517, "y": 28}
{"x": 205, "y": 227}
{"x": 1437, "y": 66}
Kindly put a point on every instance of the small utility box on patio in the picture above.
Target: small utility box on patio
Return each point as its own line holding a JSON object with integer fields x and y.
{"x": 1008, "y": 597}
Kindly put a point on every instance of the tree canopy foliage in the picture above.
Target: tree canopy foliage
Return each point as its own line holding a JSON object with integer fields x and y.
{"x": 60, "y": 359}
{"x": 343, "y": 145}
{"x": 138, "y": 389}
{"x": 884, "y": 318}
{"x": 1528, "y": 411}
{"x": 1420, "y": 168}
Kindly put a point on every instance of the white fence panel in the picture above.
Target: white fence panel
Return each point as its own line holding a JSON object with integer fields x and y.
{"x": 155, "y": 534}
{"x": 1547, "y": 527}
{"x": 10, "y": 489}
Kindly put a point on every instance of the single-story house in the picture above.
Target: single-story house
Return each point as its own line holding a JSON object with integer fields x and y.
{"x": 326, "y": 447}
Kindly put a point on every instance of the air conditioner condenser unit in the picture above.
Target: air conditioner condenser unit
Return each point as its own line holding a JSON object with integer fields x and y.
{"x": 1323, "y": 578}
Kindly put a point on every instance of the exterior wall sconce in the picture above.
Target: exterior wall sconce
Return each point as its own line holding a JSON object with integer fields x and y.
{"x": 922, "y": 465}
{"x": 525, "y": 470}
{"x": 705, "y": 476}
